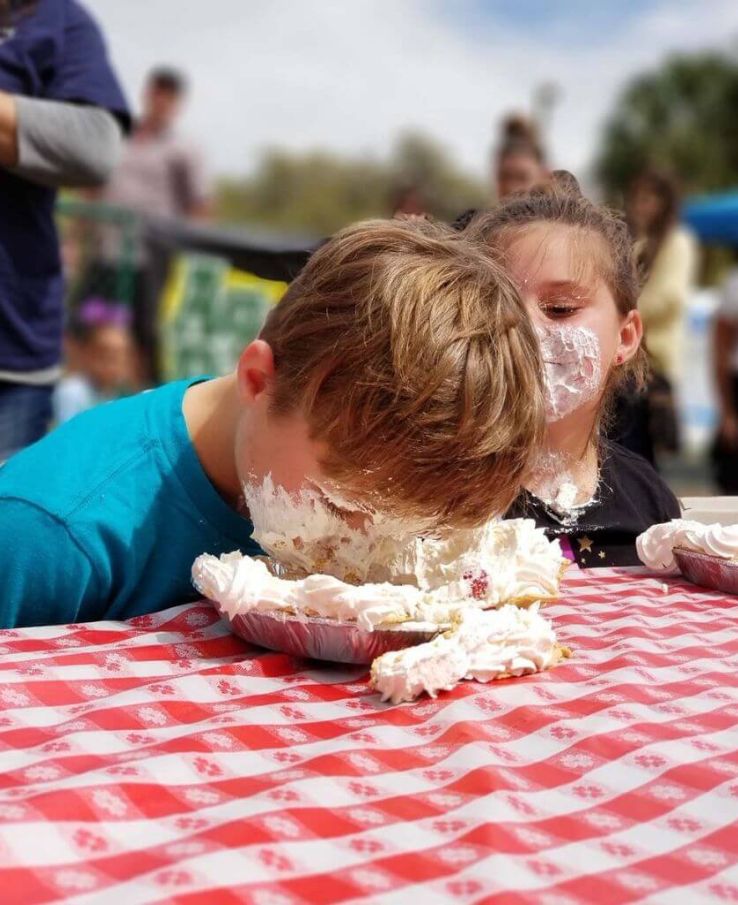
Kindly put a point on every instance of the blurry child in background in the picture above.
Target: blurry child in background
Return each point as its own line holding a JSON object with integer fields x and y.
{"x": 408, "y": 201}
{"x": 100, "y": 359}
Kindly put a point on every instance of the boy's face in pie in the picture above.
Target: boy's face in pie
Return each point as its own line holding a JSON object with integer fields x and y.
{"x": 280, "y": 445}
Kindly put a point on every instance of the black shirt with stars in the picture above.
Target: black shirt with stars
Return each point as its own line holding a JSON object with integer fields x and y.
{"x": 630, "y": 498}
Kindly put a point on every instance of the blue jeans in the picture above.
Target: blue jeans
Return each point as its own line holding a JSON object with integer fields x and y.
{"x": 25, "y": 415}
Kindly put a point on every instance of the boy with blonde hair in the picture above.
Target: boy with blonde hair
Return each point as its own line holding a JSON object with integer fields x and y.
{"x": 400, "y": 368}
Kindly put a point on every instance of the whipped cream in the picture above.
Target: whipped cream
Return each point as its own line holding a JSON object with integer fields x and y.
{"x": 571, "y": 362}
{"x": 301, "y": 533}
{"x": 498, "y": 562}
{"x": 516, "y": 562}
{"x": 656, "y": 545}
{"x": 241, "y": 584}
{"x": 305, "y": 534}
{"x": 482, "y": 645}
{"x": 554, "y": 484}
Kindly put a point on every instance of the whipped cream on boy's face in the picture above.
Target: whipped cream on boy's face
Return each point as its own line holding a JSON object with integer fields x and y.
{"x": 315, "y": 529}
{"x": 431, "y": 578}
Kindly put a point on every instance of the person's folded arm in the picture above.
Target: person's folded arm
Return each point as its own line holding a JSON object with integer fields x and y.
{"x": 58, "y": 143}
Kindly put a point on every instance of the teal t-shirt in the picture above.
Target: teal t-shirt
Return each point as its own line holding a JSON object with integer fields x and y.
{"x": 104, "y": 516}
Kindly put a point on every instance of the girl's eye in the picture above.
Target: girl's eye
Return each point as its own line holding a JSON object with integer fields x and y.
{"x": 559, "y": 312}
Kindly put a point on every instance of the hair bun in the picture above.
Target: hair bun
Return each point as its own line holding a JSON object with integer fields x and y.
{"x": 518, "y": 127}
{"x": 560, "y": 183}
{"x": 566, "y": 183}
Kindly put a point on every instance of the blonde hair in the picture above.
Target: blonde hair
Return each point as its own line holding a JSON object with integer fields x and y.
{"x": 409, "y": 352}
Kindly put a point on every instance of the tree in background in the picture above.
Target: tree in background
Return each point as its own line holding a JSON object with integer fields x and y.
{"x": 683, "y": 117}
{"x": 318, "y": 192}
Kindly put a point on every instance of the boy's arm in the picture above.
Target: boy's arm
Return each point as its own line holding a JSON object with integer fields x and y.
{"x": 46, "y": 577}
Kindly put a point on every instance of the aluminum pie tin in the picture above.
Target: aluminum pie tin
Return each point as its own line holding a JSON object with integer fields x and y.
{"x": 708, "y": 571}
{"x": 318, "y": 638}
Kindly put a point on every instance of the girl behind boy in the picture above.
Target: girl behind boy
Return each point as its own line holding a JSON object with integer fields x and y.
{"x": 573, "y": 264}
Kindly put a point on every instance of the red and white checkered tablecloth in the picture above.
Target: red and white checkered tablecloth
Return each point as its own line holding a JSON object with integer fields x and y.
{"x": 164, "y": 760}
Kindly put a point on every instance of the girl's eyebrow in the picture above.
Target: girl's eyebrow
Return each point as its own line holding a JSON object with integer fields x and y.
{"x": 565, "y": 287}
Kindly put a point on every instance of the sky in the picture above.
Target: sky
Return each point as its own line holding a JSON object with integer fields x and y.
{"x": 348, "y": 75}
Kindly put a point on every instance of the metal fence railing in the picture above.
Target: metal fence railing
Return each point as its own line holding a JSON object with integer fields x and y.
{"x": 99, "y": 245}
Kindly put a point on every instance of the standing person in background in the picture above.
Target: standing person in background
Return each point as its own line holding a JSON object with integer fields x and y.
{"x": 667, "y": 260}
{"x": 725, "y": 357}
{"x": 408, "y": 201}
{"x": 61, "y": 117}
{"x": 520, "y": 162}
{"x": 160, "y": 174}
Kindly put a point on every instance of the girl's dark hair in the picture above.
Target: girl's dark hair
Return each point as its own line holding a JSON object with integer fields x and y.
{"x": 664, "y": 186}
{"x": 95, "y": 313}
{"x": 520, "y": 136}
{"x": 561, "y": 201}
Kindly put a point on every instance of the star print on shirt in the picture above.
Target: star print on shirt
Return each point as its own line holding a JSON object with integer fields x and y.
{"x": 585, "y": 543}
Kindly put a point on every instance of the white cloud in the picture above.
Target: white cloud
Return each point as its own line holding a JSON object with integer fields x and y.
{"x": 349, "y": 74}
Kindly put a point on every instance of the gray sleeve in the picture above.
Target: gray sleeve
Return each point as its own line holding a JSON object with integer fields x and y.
{"x": 63, "y": 144}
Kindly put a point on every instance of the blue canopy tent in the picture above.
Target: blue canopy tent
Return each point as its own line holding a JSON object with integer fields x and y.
{"x": 714, "y": 218}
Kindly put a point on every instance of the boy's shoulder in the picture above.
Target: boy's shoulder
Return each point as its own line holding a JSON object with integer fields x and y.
{"x": 66, "y": 469}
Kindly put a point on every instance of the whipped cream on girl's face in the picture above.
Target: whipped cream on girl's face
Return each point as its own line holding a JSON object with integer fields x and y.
{"x": 571, "y": 361}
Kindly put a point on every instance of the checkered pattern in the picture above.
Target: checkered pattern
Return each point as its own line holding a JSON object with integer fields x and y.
{"x": 164, "y": 760}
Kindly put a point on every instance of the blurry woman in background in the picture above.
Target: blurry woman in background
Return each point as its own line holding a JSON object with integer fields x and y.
{"x": 667, "y": 260}
{"x": 408, "y": 200}
{"x": 520, "y": 163}
{"x": 667, "y": 257}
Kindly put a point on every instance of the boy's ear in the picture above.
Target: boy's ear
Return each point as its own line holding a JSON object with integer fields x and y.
{"x": 631, "y": 333}
{"x": 255, "y": 370}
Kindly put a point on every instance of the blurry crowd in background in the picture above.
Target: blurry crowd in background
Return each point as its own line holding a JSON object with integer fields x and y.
{"x": 169, "y": 273}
